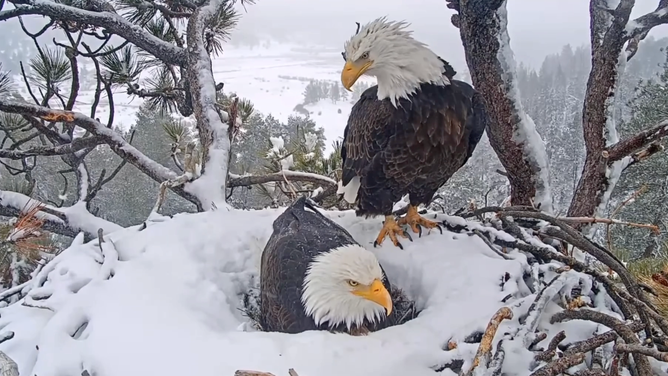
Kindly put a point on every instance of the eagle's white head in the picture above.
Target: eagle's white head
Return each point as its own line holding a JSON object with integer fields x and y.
{"x": 344, "y": 285}
{"x": 386, "y": 50}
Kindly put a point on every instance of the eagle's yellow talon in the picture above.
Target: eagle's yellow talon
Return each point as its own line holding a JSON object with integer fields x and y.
{"x": 415, "y": 221}
{"x": 391, "y": 229}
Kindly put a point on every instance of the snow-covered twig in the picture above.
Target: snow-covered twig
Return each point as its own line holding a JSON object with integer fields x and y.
{"x": 246, "y": 180}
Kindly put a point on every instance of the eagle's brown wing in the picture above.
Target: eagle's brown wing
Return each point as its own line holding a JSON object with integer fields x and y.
{"x": 366, "y": 134}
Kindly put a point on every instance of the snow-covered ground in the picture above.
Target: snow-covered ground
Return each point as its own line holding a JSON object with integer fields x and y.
{"x": 173, "y": 305}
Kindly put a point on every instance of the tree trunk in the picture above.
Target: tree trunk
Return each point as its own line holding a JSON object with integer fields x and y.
{"x": 482, "y": 26}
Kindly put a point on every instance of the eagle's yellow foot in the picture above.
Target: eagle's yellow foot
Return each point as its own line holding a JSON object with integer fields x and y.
{"x": 416, "y": 222}
{"x": 391, "y": 229}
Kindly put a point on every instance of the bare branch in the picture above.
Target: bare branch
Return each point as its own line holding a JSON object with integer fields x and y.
{"x": 119, "y": 145}
{"x": 247, "y": 180}
{"x": 632, "y": 144}
{"x": 73, "y": 147}
{"x": 113, "y": 22}
{"x": 648, "y": 351}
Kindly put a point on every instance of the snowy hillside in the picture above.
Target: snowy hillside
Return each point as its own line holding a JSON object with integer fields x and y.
{"x": 167, "y": 300}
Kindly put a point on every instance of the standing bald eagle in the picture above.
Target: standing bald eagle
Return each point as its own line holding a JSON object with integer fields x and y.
{"x": 315, "y": 276}
{"x": 410, "y": 133}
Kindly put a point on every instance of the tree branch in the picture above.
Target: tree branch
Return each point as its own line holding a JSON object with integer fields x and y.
{"x": 247, "y": 180}
{"x": 116, "y": 24}
{"x": 483, "y": 29}
{"x": 610, "y": 31}
{"x": 632, "y": 144}
{"x": 117, "y": 143}
{"x": 76, "y": 145}
{"x": 64, "y": 221}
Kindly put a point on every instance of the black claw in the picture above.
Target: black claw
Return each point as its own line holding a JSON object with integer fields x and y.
{"x": 408, "y": 235}
{"x": 440, "y": 228}
{"x": 399, "y": 245}
{"x": 375, "y": 243}
{"x": 419, "y": 231}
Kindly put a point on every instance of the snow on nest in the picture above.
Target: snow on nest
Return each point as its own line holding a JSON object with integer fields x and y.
{"x": 173, "y": 306}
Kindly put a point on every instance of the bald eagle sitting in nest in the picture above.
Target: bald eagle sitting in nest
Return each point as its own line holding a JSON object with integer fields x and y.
{"x": 315, "y": 276}
{"x": 410, "y": 133}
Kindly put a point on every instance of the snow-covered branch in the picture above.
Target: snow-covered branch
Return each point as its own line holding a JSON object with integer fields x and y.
{"x": 637, "y": 29}
{"x": 101, "y": 15}
{"x": 636, "y": 142}
{"x": 512, "y": 133}
{"x": 246, "y": 180}
{"x": 115, "y": 141}
{"x": 65, "y": 221}
{"x": 209, "y": 188}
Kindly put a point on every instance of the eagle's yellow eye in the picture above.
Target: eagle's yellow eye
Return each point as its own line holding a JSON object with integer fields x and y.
{"x": 352, "y": 283}
{"x": 365, "y": 55}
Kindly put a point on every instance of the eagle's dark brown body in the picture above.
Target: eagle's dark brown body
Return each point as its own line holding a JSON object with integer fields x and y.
{"x": 300, "y": 234}
{"x": 413, "y": 148}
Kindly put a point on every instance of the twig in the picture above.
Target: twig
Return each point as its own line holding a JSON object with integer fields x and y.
{"x": 551, "y": 348}
{"x": 609, "y": 221}
{"x": 639, "y": 349}
{"x": 617, "y": 325}
{"x": 560, "y": 365}
{"x": 485, "y": 348}
{"x": 599, "y": 340}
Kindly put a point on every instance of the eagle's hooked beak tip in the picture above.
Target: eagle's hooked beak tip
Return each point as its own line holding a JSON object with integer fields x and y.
{"x": 378, "y": 294}
{"x": 351, "y": 72}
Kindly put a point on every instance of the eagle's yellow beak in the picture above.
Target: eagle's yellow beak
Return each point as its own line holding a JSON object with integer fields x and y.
{"x": 352, "y": 71}
{"x": 377, "y": 293}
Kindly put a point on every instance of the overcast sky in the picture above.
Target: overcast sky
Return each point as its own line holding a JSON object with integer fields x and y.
{"x": 537, "y": 27}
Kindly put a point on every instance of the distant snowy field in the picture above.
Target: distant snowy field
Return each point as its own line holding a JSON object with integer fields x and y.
{"x": 257, "y": 74}
{"x": 172, "y": 306}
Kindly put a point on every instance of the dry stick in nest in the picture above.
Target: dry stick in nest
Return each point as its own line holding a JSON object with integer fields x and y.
{"x": 648, "y": 351}
{"x": 574, "y": 237}
{"x": 641, "y": 361}
{"x": 485, "y": 348}
{"x": 620, "y": 296}
{"x": 560, "y": 365}
{"x": 551, "y": 351}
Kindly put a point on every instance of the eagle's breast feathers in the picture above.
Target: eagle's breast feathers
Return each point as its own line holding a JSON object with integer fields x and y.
{"x": 422, "y": 141}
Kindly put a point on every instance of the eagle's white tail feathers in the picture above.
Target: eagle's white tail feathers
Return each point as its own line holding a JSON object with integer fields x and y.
{"x": 349, "y": 191}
